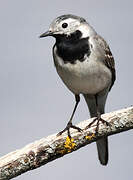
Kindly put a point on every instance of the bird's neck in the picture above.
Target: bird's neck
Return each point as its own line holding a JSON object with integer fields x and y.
{"x": 72, "y": 48}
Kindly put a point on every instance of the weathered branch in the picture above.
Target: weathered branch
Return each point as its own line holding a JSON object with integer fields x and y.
{"x": 47, "y": 149}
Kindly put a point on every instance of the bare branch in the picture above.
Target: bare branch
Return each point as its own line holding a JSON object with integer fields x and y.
{"x": 52, "y": 147}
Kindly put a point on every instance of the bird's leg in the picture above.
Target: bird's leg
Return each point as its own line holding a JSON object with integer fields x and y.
{"x": 69, "y": 124}
{"x": 98, "y": 118}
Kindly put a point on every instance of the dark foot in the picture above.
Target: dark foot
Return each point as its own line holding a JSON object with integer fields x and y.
{"x": 69, "y": 125}
{"x": 98, "y": 119}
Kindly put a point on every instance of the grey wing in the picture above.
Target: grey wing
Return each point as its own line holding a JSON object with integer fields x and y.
{"x": 109, "y": 60}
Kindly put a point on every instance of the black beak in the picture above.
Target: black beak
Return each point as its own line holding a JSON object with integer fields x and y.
{"x": 47, "y": 33}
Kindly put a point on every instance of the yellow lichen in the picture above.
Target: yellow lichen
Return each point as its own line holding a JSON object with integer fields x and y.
{"x": 63, "y": 151}
{"x": 69, "y": 144}
{"x": 90, "y": 137}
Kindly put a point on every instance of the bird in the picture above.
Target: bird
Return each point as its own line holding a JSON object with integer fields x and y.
{"x": 85, "y": 64}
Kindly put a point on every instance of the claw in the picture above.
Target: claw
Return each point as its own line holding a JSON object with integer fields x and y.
{"x": 69, "y": 125}
{"x": 98, "y": 119}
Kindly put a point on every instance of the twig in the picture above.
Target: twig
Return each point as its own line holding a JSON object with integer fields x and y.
{"x": 52, "y": 147}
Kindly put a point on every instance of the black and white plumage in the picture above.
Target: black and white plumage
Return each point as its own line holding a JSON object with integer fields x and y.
{"x": 85, "y": 64}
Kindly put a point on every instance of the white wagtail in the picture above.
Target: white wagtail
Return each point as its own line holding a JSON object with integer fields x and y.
{"x": 85, "y": 64}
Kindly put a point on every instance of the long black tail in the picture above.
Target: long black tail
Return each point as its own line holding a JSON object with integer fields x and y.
{"x": 102, "y": 144}
{"x": 102, "y": 148}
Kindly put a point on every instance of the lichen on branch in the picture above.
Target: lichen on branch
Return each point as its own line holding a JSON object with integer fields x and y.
{"x": 52, "y": 147}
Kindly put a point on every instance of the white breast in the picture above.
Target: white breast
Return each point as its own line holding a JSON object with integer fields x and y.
{"x": 88, "y": 77}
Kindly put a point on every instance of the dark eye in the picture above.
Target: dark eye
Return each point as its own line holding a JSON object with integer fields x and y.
{"x": 64, "y": 25}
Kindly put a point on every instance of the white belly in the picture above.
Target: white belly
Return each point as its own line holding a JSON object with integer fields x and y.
{"x": 87, "y": 77}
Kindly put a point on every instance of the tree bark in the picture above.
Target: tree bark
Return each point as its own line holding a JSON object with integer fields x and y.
{"x": 52, "y": 147}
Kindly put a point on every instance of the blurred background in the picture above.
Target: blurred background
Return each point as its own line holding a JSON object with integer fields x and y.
{"x": 33, "y": 100}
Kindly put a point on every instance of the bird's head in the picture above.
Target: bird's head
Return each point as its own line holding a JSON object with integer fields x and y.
{"x": 67, "y": 25}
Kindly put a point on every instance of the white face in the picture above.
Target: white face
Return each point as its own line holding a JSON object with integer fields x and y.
{"x": 71, "y": 26}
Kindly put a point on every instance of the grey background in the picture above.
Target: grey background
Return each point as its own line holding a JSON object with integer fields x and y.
{"x": 35, "y": 103}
